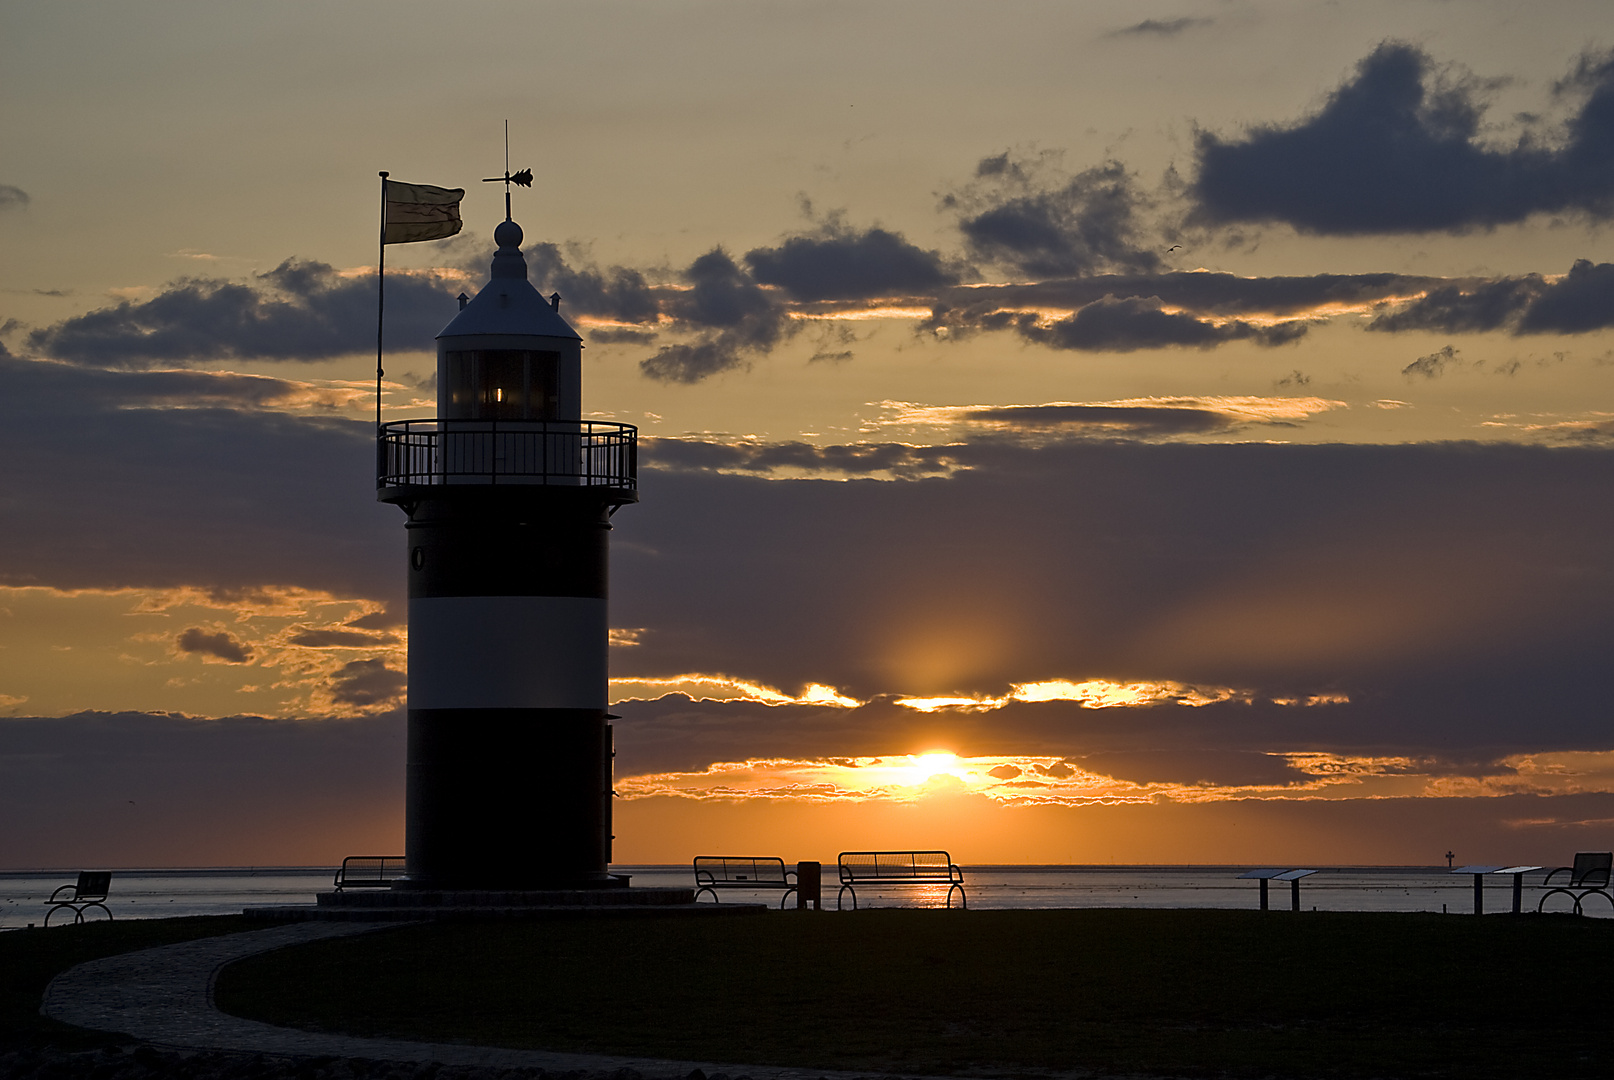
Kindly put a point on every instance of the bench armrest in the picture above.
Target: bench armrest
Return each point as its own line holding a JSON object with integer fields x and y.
{"x": 1556, "y": 870}
{"x": 57, "y": 898}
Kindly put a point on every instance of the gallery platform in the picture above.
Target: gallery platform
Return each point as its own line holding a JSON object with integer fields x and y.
{"x": 412, "y": 905}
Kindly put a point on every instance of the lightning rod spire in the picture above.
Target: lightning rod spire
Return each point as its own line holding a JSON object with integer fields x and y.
{"x": 520, "y": 179}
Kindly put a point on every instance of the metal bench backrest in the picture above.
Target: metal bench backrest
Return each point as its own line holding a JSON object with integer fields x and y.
{"x": 1591, "y": 868}
{"x": 897, "y": 866}
{"x": 358, "y": 870}
{"x": 92, "y": 885}
{"x": 734, "y": 869}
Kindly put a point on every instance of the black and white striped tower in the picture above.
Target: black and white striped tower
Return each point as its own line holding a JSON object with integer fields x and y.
{"x": 509, "y": 494}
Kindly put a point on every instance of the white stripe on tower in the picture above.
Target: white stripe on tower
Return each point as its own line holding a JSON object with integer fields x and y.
{"x": 507, "y": 652}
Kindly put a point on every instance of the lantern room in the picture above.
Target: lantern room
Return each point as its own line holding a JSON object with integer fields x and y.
{"x": 508, "y": 355}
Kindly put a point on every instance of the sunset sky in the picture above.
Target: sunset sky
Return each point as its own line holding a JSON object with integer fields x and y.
{"x": 1070, "y": 432}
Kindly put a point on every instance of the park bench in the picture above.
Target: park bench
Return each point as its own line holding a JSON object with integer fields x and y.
{"x": 88, "y": 892}
{"x": 369, "y": 872}
{"x": 904, "y": 868}
{"x": 754, "y": 872}
{"x": 1589, "y": 876}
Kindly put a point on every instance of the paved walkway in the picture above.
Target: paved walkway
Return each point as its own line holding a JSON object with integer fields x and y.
{"x": 164, "y": 996}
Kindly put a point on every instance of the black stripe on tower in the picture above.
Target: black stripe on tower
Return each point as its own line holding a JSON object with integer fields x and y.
{"x": 509, "y": 766}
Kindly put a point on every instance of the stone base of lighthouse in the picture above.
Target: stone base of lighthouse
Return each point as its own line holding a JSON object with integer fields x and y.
{"x": 408, "y": 905}
{"x": 415, "y": 905}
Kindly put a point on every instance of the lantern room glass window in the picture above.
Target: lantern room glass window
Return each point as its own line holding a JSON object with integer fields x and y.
{"x": 502, "y": 384}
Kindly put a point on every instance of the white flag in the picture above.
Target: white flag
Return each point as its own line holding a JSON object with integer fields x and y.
{"x": 420, "y": 212}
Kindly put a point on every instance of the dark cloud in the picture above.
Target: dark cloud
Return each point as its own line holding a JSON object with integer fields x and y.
{"x": 1579, "y": 302}
{"x": 615, "y": 292}
{"x": 208, "y": 495}
{"x": 1583, "y": 433}
{"x": 1161, "y": 27}
{"x": 858, "y": 459}
{"x": 221, "y": 645}
{"x": 136, "y": 789}
{"x": 301, "y": 310}
{"x": 1227, "y": 744}
{"x": 385, "y": 619}
{"x": 1281, "y": 569}
{"x": 1106, "y": 419}
{"x": 691, "y": 363}
{"x": 620, "y": 335}
{"x": 1230, "y": 744}
{"x": 734, "y": 316}
{"x": 1433, "y": 365}
{"x": 99, "y": 388}
{"x": 1447, "y": 590}
{"x": 1125, "y": 308}
{"x": 1016, "y": 215}
{"x": 841, "y": 263}
{"x": 133, "y": 789}
{"x": 1196, "y": 293}
{"x": 364, "y": 684}
{"x": 1125, "y": 325}
{"x": 1115, "y": 324}
{"x": 1395, "y": 149}
{"x": 1222, "y": 768}
{"x": 337, "y": 638}
{"x": 724, "y": 297}
{"x": 12, "y": 198}
{"x": 1457, "y": 309}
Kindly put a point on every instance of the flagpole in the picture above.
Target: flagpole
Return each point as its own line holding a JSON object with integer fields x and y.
{"x": 381, "y": 299}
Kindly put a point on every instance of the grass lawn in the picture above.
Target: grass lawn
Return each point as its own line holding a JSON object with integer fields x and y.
{"x": 1185, "y": 992}
{"x": 29, "y": 959}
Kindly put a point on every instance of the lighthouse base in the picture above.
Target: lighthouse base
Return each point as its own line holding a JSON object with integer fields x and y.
{"x": 413, "y": 905}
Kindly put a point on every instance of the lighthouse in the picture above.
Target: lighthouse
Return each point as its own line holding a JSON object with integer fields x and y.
{"x": 508, "y": 494}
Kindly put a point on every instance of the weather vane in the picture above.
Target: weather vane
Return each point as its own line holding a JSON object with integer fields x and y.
{"x": 520, "y": 179}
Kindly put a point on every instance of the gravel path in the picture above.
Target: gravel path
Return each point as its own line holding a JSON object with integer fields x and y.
{"x": 163, "y": 997}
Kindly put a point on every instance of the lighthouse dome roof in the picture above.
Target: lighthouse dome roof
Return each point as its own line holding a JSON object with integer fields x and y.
{"x": 508, "y": 304}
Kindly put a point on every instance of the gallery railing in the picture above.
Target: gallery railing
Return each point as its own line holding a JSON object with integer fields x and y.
{"x": 560, "y": 453}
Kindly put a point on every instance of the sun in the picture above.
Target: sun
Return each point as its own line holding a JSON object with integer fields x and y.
{"x": 934, "y": 763}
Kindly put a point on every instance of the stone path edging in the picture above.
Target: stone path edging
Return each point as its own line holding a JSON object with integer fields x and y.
{"x": 164, "y": 996}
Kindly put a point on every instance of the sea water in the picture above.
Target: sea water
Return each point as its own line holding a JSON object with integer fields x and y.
{"x": 155, "y": 894}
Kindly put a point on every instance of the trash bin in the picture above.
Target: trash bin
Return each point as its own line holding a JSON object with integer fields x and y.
{"x": 809, "y": 885}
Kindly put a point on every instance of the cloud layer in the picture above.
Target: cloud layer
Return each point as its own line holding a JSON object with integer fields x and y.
{"x": 301, "y": 310}
{"x": 1397, "y": 148}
